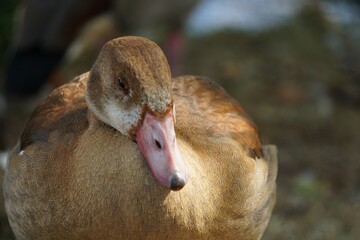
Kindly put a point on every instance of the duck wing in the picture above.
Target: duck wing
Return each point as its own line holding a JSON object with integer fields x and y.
{"x": 207, "y": 110}
{"x": 64, "y": 110}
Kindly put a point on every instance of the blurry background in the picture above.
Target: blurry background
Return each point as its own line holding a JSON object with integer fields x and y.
{"x": 294, "y": 65}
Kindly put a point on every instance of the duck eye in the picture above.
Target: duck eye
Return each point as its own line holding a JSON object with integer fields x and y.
{"x": 123, "y": 86}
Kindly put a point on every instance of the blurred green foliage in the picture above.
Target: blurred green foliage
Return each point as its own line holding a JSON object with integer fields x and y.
{"x": 7, "y": 10}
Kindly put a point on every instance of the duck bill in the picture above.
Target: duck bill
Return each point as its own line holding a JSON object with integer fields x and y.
{"x": 157, "y": 142}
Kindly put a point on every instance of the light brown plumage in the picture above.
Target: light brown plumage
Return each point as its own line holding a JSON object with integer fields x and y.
{"x": 74, "y": 177}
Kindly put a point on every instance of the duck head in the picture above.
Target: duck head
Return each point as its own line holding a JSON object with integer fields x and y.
{"x": 129, "y": 89}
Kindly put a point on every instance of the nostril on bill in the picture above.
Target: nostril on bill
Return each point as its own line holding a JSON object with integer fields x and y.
{"x": 158, "y": 144}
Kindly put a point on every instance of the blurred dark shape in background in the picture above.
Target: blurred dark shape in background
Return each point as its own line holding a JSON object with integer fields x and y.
{"x": 294, "y": 65}
{"x": 45, "y": 30}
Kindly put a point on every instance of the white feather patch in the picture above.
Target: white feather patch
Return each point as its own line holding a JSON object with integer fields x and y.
{"x": 115, "y": 116}
{"x": 121, "y": 119}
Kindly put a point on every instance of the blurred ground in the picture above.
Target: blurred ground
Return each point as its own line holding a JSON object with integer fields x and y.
{"x": 301, "y": 84}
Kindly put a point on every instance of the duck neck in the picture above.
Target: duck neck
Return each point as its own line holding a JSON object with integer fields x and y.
{"x": 93, "y": 119}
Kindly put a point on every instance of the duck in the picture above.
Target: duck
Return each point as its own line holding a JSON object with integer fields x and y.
{"x": 125, "y": 151}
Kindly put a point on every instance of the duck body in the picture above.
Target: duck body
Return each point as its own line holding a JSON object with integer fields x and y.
{"x": 72, "y": 176}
